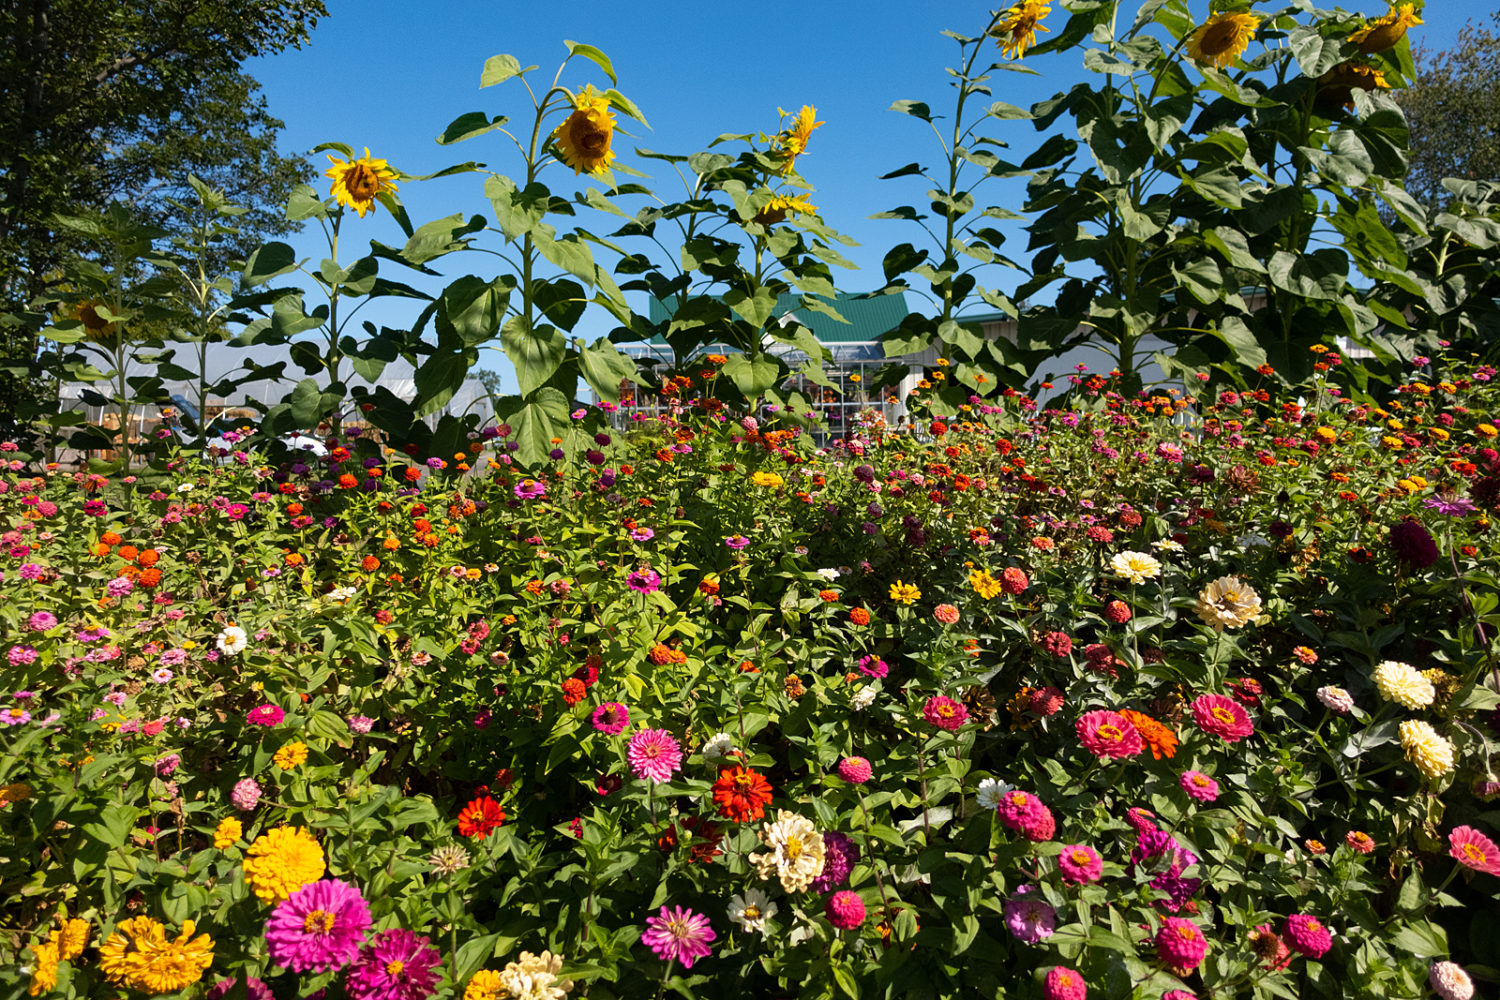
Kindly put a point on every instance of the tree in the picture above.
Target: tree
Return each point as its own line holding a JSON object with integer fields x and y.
{"x": 1453, "y": 109}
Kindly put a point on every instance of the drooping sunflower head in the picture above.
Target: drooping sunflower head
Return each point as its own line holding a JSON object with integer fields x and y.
{"x": 791, "y": 141}
{"x": 584, "y": 139}
{"x": 1383, "y": 32}
{"x": 1221, "y": 39}
{"x": 779, "y": 207}
{"x": 1015, "y": 31}
{"x": 1339, "y": 84}
{"x": 95, "y": 327}
{"x": 357, "y": 183}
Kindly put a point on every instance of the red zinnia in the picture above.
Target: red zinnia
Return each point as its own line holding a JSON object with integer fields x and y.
{"x": 573, "y": 690}
{"x": 742, "y": 794}
{"x": 480, "y": 817}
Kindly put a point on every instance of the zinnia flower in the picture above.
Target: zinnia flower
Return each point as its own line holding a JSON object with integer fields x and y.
{"x": 139, "y": 955}
{"x": 796, "y": 851}
{"x": 265, "y": 715}
{"x": 1410, "y": 541}
{"x": 946, "y": 613}
{"x": 1450, "y": 981}
{"x": 530, "y": 977}
{"x": 839, "y": 856}
{"x": 945, "y": 713}
{"x": 654, "y": 754}
{"x": 904, "y": 593}
{"x": 357, "y": 183}
{"x": 44, "y": 959}
{"x": 1108, "y": 734}
{"x": 319, "y": 928}
{"x": 647, "y": 582}
{"x": 855, "y": 770}
{"x": 1428, "y": 752}
{"x": 1228, "y": 602}
{"x": 292, "y": 755}
{"x": 752, "y": 910}
{"x": 1180, "y": 945}
{"x": 245, "y": 795}
{"x": 1026, "y": 815}
{"x": 741, "y": 794}
{"x": 1064, "y": 984}
{"x": 1336, "y": 699}
{"x": 1029, "y": 917}
{"x": 395, "y": 965}
{"x": 1080, "y": 863}
{"x": 1199, "y": 785}
{"x": 1158, "y": 736}
{"x": 227, "y": 832}
{"x": 611, "y": 718}
{"x": 281, "y": 861}
{"x": 1308, "y": 935}
{"x": 1473, "y": 849}
{"x": 1403, "y": 684}
{"x": 845, "y": 910}
{"x": 1221, "y": 39}
{"x": 1137, "y": 567}
{"x": 677, "y": 934}
{"x": 232, "y": 640}
{"x": 1016, "y": 30}
{"x": 1222, "y": 717}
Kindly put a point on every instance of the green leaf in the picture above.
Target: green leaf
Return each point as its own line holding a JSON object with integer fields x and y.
{"x": 569, "y": 253}
{"x": 755, "y": 306}
{"x": 470, "y": 309}
{"x": 440, "y": 377}
{"x": 305, "y": 203}
{"x": 536, "y": 423}
{"x": 593, "y": 55}
{"x": 536, "y": 354}
{"x": 604, "y": 368}
{"x": 498, "y": 69}
{"x": 1233, "y": 331}
{"x": 467, "y": 126}
{"x": 309, "y": 404}
{"x": 439, "y": 237}
{"x": 516, "y": 212}
{"x": 752, "y": 377}
{"x": 1423, "y": 939}
{"x": 270, "y": 261}
{"x": 917, "y": 109}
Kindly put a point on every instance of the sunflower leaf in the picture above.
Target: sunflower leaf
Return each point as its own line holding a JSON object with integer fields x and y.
{"x": 498, "y": 69}
{"x": 594, "y": 56}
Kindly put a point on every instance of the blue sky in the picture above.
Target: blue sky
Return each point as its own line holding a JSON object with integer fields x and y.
{"x": 391, "y": 76}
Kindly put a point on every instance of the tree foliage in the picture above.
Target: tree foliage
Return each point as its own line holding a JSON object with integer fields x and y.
{"x": 1453, "y": 110}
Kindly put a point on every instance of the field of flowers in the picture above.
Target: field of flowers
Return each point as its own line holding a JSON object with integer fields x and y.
{"x": 1126, "y": 696}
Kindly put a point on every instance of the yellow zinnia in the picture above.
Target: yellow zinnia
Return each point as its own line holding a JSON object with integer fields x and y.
{"x": 281, "y": 861}
{"x": 768, "y": 479}
{"x": 227, "y": 832}
{"x": 583, "y": 140}
{"x": 357, "y": 183}
{"x": 1015, "y": 32}
{"x": 904, "y": 593}
{"x": 1221, "y": 39}
{"x": 139, "y": 955}
{"x": 1383, "y": 32}
{"x": 291, "y": 755}
{"x": 71, "y": 938}
{"x": 985, "y": 585}
{"x": 43, "y": 968}
{"x": 791, "y": 142}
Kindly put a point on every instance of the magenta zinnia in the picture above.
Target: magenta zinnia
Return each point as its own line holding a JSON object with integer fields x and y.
{"x": 1080, "y": 863}
{"x": 945, "y": 713}
{"x": 654, "y": 754}
{"x": 1109, "y": 734}
{"x": 395, "y": 965}
{"x": 1180, "y": 945}
{"x": 611, "y": 718}
{"x": 1308, "y": 935}
{"x": 1026, "y": 815}
{"x": 319, "y": 927}
{"x": 1222, "y": 717}
{"x": 1473, "y": 849}
{"x": 677, "y": 934}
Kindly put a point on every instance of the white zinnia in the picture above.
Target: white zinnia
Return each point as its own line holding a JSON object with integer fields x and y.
{"x": 718, "y": 746}
{"x": 1137, "y": 567}
{"x": 232, "y": 640}
{"x": 1167, "y": 545}
{"x": 342, "y": 593}
{"x": 862, "y": 699}
{"x": 991, "y": 791}
{"x": 752, "y": 910}
{"x": 796, "y": 851}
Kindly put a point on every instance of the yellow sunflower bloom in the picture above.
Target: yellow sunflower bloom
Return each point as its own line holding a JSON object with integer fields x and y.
{"x": 1016, "y": 30}
{"x": 779, "y": 207}
{"x": 95, "y": 327}
{"x": 357, "y": 183}
{"x": 1339, "y": 84}
{"x": 791, "y": 142}
{"x": 584, "y": 139}
{"x": 1221, "y": 39}
{"x": 1381, "y": 33}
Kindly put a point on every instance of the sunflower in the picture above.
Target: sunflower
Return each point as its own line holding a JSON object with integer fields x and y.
{"x": 1015, "y": 32}
{"x": 1221, "y": 39}
{"x": 791, "y": 142}
{"x": 357, "y": 183}
{"x": 1338, "y": 86}
{"x": 95, "y": 327}
{"x": 1381, "y": 33}
{"x": 779, "y": 207}
{"x": 583, "y": 140}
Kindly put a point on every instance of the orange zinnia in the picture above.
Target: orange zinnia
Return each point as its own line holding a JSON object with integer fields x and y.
{"x": 1159, "y": 737}
{"x": 742, "y": 794}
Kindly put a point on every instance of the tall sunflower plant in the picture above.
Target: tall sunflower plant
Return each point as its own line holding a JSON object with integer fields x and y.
{"x": 749, "y": 257}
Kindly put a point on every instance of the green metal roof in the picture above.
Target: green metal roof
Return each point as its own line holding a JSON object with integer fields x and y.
{"x": 868, "y": 317}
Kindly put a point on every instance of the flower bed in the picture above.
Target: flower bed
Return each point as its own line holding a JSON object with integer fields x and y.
{"x": 1124, "y": 698}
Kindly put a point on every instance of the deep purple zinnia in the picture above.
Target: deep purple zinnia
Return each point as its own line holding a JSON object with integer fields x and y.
{"x": 1413, "y": 545}
{"x": 319, "y": 927}
{"x": 839, "y": 855}
{"x": 395, "y": 965}
{"x": 677, "y": 934}
{"x": 611, "y": 718}
{"x": 654, "y": 754}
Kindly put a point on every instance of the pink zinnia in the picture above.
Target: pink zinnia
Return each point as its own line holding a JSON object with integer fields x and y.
{"x": 246, "y": 793}
{"x": 1026, "y": 815}
{"x": 265, "y": 715}
{"x": 1064, "y": 984}
{"x": 1140, "y": 819}
{"x": 1013, "y": 581}
{"x": 1199, "y": 785}
{"x": 1180, "y": 945}
{"x": 945, "y": 713}
{"x": 1080, "y": 863}
{"x": 611, "y": 718}
{"x": 1223, "y": 717}
{"x": 1473, "y": 849}
{"x": 395, "y": 965}
{"x": 855, "y": 770}
{"x": 654, "y": 754}
{"x": 946, "y": 613}
{"x": 1109, "y": 734}
{"x": 845, "y": 910}
{"x": 677, "y": 934}
{"x": 1308, "y": 935}
{"x": 319, "y": 927}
